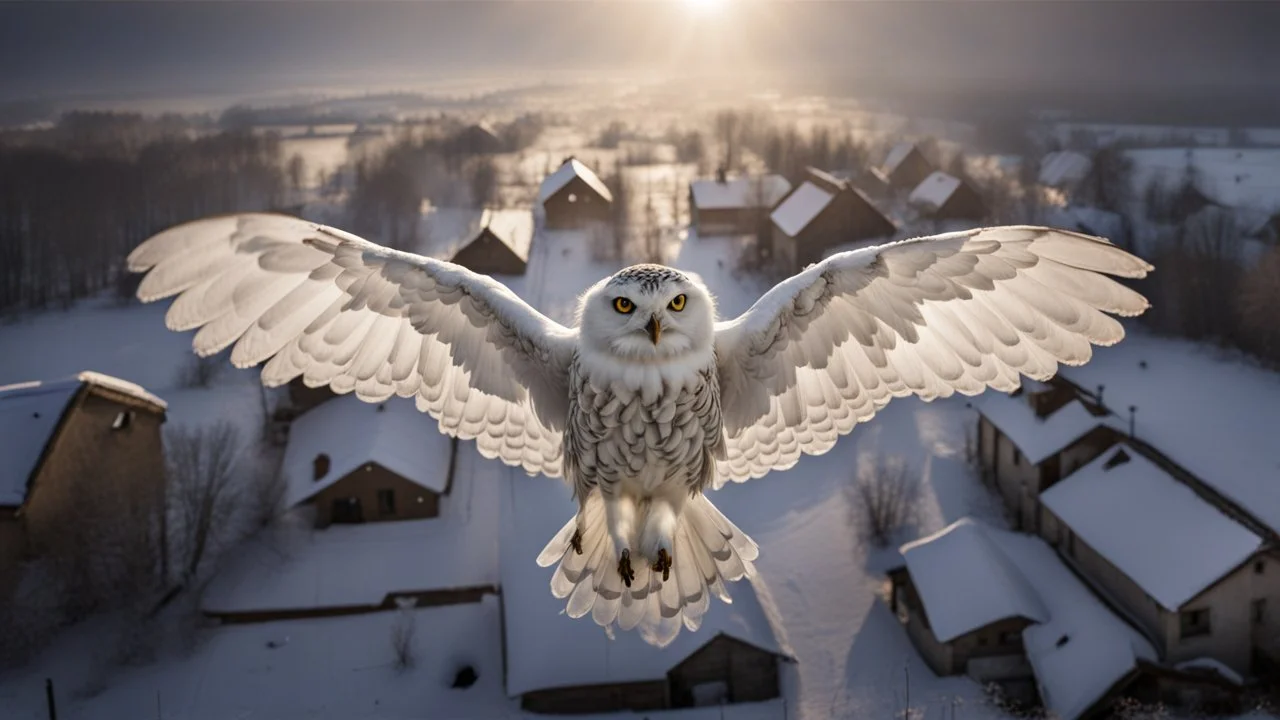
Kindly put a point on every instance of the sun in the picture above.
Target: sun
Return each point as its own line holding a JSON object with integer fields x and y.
{"x": 705, "y": 6}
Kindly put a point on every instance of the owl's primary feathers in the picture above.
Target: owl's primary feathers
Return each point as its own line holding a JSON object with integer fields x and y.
{"x": 650, "y": 399}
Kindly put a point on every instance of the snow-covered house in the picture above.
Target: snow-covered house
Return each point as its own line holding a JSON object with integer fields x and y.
{"x": 1185, "y": 572}
{"x": 1029, "y": 440}
{"x": 361, "y": 462}
{"x": 1001, "y": 607}
{"x": 720, "y": 206}
{"x": 947, "y": 197}
{"x": 477, "y": 139}
{"x": 81, "y": 451}
{"x": 1064, "y": 169}
{"x": 574, "y": 197}
{"x": 905, "y": 167}
{"x": 821, "y": 213}
{"x": 498, "y": 244}
{"x": 556, "y": 664}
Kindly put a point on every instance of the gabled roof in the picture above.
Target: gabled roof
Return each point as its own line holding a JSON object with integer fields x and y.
{"x": 393, "y": 434}
{"x": 800, "y": 208}
{"x": 742, "y": 192}
{"x": 1064, "y": 168}
{"x": 514, "y": 228}
{"x": 896, "y": 155}
{"x": 1078, "y": 649}
{"x": 1138, "y": 517}
{"x": 934, "y": 191}
{"x": 1035, "y": 437}
{"x": 965, "y": 583}
{"x": 568, "y": 171}
{"x": 30, "y": 414}
{"x": 548, "y": 649}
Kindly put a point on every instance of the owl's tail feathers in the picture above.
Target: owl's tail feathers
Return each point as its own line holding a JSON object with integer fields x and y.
{"x": 708, "y": 552}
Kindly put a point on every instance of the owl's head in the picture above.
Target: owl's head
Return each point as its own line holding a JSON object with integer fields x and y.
{"x": 647, "y": 313}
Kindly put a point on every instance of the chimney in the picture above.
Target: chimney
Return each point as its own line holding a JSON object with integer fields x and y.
{"x": 722, "y": 175}
{"x": 1133, "y": 420}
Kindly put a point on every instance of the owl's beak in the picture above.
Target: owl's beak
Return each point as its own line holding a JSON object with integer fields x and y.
{"x": 654, "y": 328}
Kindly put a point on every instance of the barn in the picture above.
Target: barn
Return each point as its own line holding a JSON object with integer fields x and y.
{"x": 905, "y": 167}
{"x": 499, "y": 243}
{"x": 477, "y": 139}
{"x": 560, "y": 665}
{"x": 56, "y": 437}
{"x": 947, "y": 197}
{"x": 361, "y": 462}
{"x": 573, "y": 197}
{"x": 723, "y": 206}
{"x": 821, "y": 213}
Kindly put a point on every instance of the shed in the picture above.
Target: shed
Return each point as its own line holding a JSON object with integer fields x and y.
{"x": 946, "y": 197}
{"x": 574, "y": 197}
{"x": 477, "y": 139}
{"x": 722, "y": 206}
{"x": 499, "y": 244}
{"x": 357, "y": 462}
{"x": 905, "y": 167}
{"x": 732, "y": 658}
{"x": 821, "y": 213}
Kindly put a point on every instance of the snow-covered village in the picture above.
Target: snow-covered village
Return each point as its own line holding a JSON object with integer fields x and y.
{"x": 279, "y": 428}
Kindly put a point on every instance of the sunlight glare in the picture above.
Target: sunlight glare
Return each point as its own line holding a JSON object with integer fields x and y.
{"x": 705, "y": 6}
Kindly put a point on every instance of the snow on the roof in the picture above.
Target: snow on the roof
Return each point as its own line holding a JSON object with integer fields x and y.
{"x": 800, "y": 208}
{"x": 393, "y": 434}
{"x": 296, "y": 566}
{"x": 1216, "y": 666}
{"x": 1212, "y": 414}
{"x": 741, "y": 192}
{"x": 1078, "y": 649}
{"x": 896, "y": 155}
{"x": 1235, "y": 178}
{"x": 934, "y": 191}
{"x": 29, "y": 415}
{"x": 965, "y": 583}
{"x": 1136, "y": 516}
{"x": 513, "y": 227}
{"x": 548, "y": 649}
{"x": 1038, "y": 437}
{"x": 1062, "y": 168}
{"x": 568, "y": 171}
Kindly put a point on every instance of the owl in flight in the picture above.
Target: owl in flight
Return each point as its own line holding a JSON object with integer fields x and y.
{"x": 650, "y": 399}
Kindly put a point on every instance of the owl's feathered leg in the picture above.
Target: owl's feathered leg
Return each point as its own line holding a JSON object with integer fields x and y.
{"x": 620, "y": 515}
{"x": 657, "y": 541}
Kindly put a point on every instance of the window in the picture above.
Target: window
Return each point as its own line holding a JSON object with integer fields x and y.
{"x": 1009, "y": 639}
{"x": 1194, "y": 623}
{"x": 982, "y": 641}
{"x": 573, "y": 198}
{"x": 386, "y": 502}
{"x": 1259, "y": 567}
{"x": 1017, "y": 456}
{"x": 123, "y": 419}
{"x": 320, "y": 467}
{"x": 1259, "y": 611}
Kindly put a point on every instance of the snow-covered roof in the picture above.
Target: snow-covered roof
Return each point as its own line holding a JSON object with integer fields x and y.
{"x": 1078, "y": 649}
{"x": 30, "y": 412}
{"x": 1064, "y": 168}
{"x": 512, "y": 227}
{"x": 965, "y": 583}
{"x": 393, "y": 434}
{"x": 548, "y": 649}
{"x": 294, "y": 566}
{"x": 1213, "y": 415}
{"x": 934, "y": 191}
{"x": 1232, "y": 177}
{"x": 1214, "y": 666}
{"x": 568, "y": 171}
{"x": 896, "y": 155}
{"x": 1136, "y": 516}
{"x": 1038, "y": 437}
{"x": 800, "y": 208}
{"x": 741, "y": 192}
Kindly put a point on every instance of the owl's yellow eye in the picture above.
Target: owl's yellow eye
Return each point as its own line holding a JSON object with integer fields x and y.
{"x": 623, "y": 305}
{"x": 677, "y": 303}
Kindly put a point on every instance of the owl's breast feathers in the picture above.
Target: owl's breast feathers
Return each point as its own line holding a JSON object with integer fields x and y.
{"x": 643, "y": 426}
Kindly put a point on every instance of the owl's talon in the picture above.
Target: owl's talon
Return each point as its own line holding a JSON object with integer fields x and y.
{"x": 624, "y": 568}
{"x": 663, "y": 564}
{"x": 576, "y": 541}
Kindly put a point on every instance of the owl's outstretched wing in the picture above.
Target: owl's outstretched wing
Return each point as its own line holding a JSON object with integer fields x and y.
{"x": 960, "y": 312}
{"x": 338, "y": 310}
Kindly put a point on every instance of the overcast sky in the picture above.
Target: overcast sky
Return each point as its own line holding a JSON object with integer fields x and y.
{"x": 56, "y": 49}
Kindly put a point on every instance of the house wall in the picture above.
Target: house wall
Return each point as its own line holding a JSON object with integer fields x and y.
{"x": 912, "y": 171}
{"x": 847, "y": 218}
{"x": 998, "y": 644}
{"x": 12, "y": 541}
{"x": 489, "y": 255}
{"x": 910, "y": 612}
{"x": 727, "y": 221}
{"x": 586, "y": 208}
{"x": 987, "y": 448}
{"x": 1266, "y": 586}
{"x": 413, "y": 502}
{"x": 1230, "y": 637}
{"x": 1016, "y": 479}
{"x": 303, "y": 398}
{"x": 964, "y": 204}
{"x": 97, "y": 488}
{"x": 750, "y": 673}
{"x": 1077, "y": 455}
{"x": 585, "y": 699}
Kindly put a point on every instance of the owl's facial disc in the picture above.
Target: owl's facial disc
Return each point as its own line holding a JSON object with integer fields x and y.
{"x": 648, "y": 313}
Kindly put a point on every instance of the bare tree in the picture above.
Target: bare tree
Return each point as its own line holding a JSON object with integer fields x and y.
{"x": 204, "y": 493}
{"x": 884, "y": 493}
{"x": 297, "y": 172}
{"x": 403, "y": 630}
{"x": 199, "y": 372}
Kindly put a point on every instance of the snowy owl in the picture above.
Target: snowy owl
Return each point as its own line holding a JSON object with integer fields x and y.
{"x": 651, "y": 399}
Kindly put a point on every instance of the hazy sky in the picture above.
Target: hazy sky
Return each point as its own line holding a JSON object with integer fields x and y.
{"x": 56, "y": 48}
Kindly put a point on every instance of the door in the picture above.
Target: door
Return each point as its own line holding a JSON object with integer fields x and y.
{"x": 347, "y": 510}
